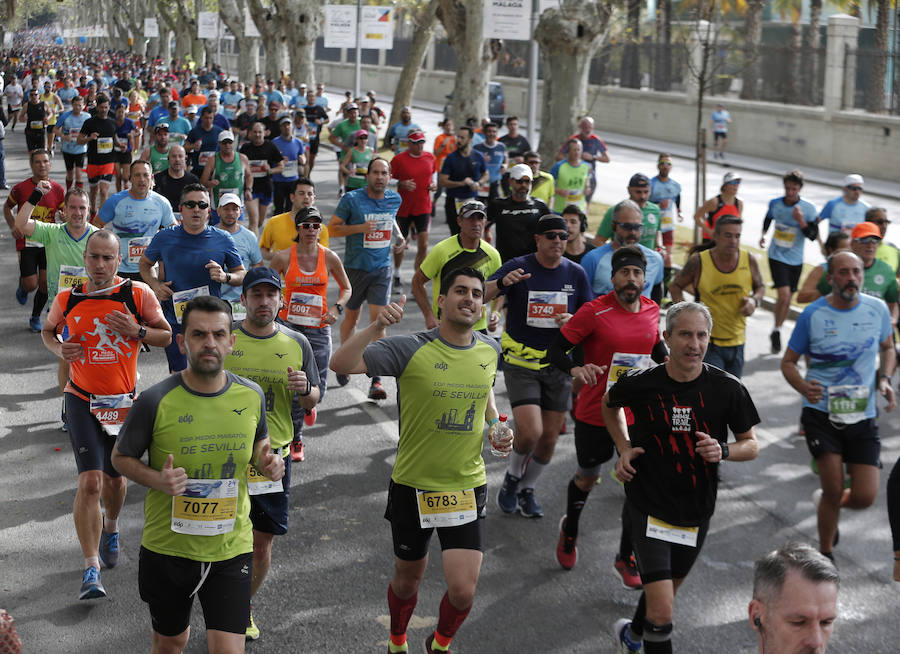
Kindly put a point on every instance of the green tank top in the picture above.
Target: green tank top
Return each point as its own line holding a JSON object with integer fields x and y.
{"x": 230, "y": 176}
{"x": 159, "y": 161}
{"x": 360, "y": 163}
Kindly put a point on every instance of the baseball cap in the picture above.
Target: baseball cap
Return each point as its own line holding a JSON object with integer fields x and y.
{"x": 285, "y": 119}
{"x": 191, "y": 109}
{"x": 416, "y": 136}
{"x": 173, "y": 103}
{"x": 471, "y": 209}
{"x": 351, "y": 106}
{"x": 862, "y": 230}
{"x": 307, "y": 215}
{"x": 213, "y": 94}
{"x": 519, "y": 171}
{"x": 551, "y": 222}
{"x": 160, "y": 126}
{"x": 230, "y": 198}
{"x": 730, "y": 177}
{"x": 854, "y": 180}
{"x": 639, "y": 179}
{"x": 360, "y": 133}
{"x": 226, "y": 135}
{"x": 261, "y": 275}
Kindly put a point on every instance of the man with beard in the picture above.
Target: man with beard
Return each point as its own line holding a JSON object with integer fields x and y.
{"x": 462, "y": 172}
{"x": 627, "y": 225}
{"x": 619, "y": 331}
{"x": 842, "y": 334}
{"x": 516, "y": 216}
{"x": 170, "y": 182}
{"x": 202, "y": 429}
{"x": 726, "y": 278}
{"x": 281, "y": 361}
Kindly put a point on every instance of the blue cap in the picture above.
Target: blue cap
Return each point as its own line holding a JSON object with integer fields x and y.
{"x": 261, "y": 275}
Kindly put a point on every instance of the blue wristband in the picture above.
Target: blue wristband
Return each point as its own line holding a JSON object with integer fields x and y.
{"x": 492, "y": 422}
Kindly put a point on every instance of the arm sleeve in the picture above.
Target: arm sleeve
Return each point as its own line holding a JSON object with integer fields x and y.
{"x": 389, "y": 356}
{"x": 558, "y": 349}
{"x": 743, "y": 415}
{"x": 343, "y": 209}
{"x": 799, "y": 341}
{"x": 660, "y": 351}
{"x": 137, "y": 432}
{"x": 107, "y": 212}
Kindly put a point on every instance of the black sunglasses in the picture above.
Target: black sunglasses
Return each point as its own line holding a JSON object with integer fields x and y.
{"x": 551, "y": 236}
{"x": 630, "y": 227}
{"x": 855, "y": 188}
{"x": 190, "y": 204}
{"x": 311, "y": 225}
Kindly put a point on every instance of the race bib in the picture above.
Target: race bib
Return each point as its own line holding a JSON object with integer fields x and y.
{"x": 110, "y": 411}
{"x": 381, "y": 237}
{"x": 136, "y": 247}
{"x": 720, "y": 127}
{"x": 70, "y": 276}
{"x": 181, "y": 298}
{"x": 622, "y": 363}
{"x": 660, "y": 530}
{"x": 484, "y": 190}
{"x": 104, "y": 145}
{"x": 847, "y": 404}
{"x": 544, "y": 306}
{"x": 258, "y": 167}
{"x": 259, "y": 484}
{"x": 207, "y": 508}
{"x": 785, "y": 235}
{"x": 238, "y": 310}
{"x": 36, "y": 124}
{"x": 667, "y": 218}
{"x": 290, "y": 169}
{"x": 177, "y": 138}
{"x": 446, "y": 508}
{"x": 305, "y": 309}
{"x": 204, "y": 157}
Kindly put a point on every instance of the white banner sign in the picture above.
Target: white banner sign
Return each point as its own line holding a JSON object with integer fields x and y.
{"x": 544, "y": 5}
{"x": 250, "y": 29}
{"x": 208, "y": 25}
{"x": 340, "y": 26}
{"x": 507, "y": 19}
{"x": 151, "y": 28}
{"x": 377, "y": 28}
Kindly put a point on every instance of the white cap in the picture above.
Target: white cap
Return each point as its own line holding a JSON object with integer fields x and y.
{"x": 854, "y": 180}
{"x": 226, "y": 134}
{"x": 521, "y": 170}
{"x": 230, "y": 198}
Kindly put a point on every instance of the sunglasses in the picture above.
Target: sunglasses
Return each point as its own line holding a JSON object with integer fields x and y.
{"x": 855, "y": 188}
{"x": 552, "y": 236}
{"x": 190, "y": 204}
{"x": 362, "y": 138}
{"x": 311, "y": 225}
{"x": 734, "y": 183}
{"x": 868, "y": 240}
{"x": 630, "y": 227}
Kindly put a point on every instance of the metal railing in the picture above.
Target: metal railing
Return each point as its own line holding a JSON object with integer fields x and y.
{"x": 874, "y": 83}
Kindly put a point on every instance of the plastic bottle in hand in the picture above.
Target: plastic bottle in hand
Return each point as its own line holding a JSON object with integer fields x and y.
{"x": 501, "y": 437}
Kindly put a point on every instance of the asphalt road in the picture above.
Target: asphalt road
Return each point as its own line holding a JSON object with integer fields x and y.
{"x": 326, "y": 590}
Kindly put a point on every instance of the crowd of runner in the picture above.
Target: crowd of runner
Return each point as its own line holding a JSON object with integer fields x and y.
{"x": 212, "y": 245}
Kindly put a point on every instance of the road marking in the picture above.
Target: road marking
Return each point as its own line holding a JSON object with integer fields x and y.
{"x": 379, "y": 416}
{"x": 765, "y": 438}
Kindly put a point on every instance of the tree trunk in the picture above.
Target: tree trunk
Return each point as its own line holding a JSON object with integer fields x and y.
{"x": 796, "y": 43}
{"x": 631, "y": 62}
{"x": 875, "y": 89}
{"x": 810, "y": 60}
{"x": 269, "y": 23}
{"x": 662, "y": 73}
{"x": 423, "y": 20}
{"x": 168, "y": 24}
{"x": 751, "y": 49}
{"x": 302, "y": 21}
{"x": 463, "y": 23}
{"x": 232, "y": 13}
{"x": 568, "y": 38}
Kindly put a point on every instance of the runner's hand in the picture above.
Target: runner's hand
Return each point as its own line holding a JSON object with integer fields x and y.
{"x": 515, "y": 276}
{"x": 400, "y": 246}
{"x": 562, "y": 318}
{"x": 588, "y": 373}
{"x": 887, "y": 391}
{"x": 122, "y": 323}
{"x": 493, "y": 321}
{"x": 71, "y": 351}
{"x": 215, "y": 271}
{"x": 43, "y": 187}
{"x": 813, "y": 391}
{"x": 392, "y": 313}
{"x": 296, "y": 380}
{"x": 624, "y": 470}
{"x": 163, "y": 290}
{"x": 708, "y": 447}
{"x": 172, "y": 480}
{"x": 270, "y": 464}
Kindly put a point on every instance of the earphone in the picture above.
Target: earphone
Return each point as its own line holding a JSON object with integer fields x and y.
{"x": 757, "y": 622}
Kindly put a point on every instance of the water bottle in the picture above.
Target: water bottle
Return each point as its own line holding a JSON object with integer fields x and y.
{"x": 501, "y": 434}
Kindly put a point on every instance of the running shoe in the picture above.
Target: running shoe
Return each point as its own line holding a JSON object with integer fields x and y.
{"x": 396, "y": 286}
{"x": 429, "y": 641}
{"x": 91, "y": 586}
{"x": 506, "y": 496}
{"x": 566, "y": 550}
{"x": 528, "y": 505}
{"x": 621, "y": 630}
{"x": 34, "y": 324}
{"x": 343, "y": 380}
{"x": 627, "y": 569}
{"x": 109, "y": 548}
{"x": 252, "y": 629}
{"x": 775, "y": 338}
{"x": 298, "y": 451}
{"x": 309, "y": 418}
{"x": 21, "y": 295}
{"x": 376, "y": 391}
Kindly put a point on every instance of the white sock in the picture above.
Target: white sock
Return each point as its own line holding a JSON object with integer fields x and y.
{"x": 516, "y": 463}
{"x": 533, "y": 470}
{"x": 777, "y": 330}
{"x": 110, "y": 526}
{"x": 91, "y": 562}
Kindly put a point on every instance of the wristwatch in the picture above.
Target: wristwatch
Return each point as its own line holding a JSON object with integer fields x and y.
{"x": 725, "y": 451}
{"x": 142, "y": 333}
{"x": 339, "y": 307}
